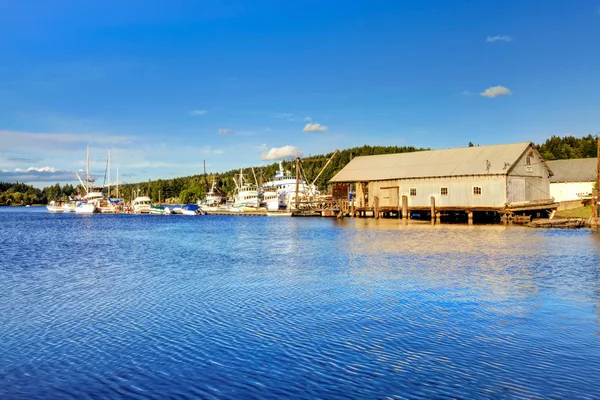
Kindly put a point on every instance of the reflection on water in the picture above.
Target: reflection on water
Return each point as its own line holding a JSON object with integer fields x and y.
{"x": 234, "y": 307}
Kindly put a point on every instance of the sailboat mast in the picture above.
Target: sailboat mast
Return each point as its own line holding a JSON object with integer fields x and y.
{"x": 117, "y": 183}
{"x": 108, "y": 174}
{"x": 297, "y": 179}
{"x": 87, "y": 169}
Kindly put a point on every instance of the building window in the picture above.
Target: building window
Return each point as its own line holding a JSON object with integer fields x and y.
{"x": 528, "y": 161}
{"x": 444, "y": 191}
{"x": 476, "y": 190}
{"x": 413, "y": 191}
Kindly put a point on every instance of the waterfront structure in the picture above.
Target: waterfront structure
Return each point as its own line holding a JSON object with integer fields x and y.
{"x": 573, "y": 180}
{"x": 503, "y": 178}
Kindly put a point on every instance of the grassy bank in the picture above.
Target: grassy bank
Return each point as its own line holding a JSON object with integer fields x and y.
{"x": 581, "y": 212}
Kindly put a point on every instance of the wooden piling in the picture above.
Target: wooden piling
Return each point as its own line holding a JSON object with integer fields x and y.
{"x": 470, "y": 217}
{"x": 376, "y": 204}
{"x": 432, "y": 202}
{"x": 404, "y": 207}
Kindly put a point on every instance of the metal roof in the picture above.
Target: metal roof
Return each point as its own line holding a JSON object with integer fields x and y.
{"x": 575, "y": 170}
{"x": 479, "y": 160}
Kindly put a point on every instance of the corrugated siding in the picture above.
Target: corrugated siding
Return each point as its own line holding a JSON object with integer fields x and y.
{"x": 460, "y": 191}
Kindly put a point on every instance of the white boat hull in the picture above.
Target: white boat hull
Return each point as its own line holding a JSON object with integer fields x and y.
{"x": 279, "y": 213}
{"x": 55, "y": 209}
{"x": 85, "y": 209}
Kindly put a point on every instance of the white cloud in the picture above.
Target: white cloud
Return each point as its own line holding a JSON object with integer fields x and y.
{"x": 307, "y": 119}
{"x": 224, "y": 131}
{"x": 314, "y": 128}
{"x": 37, "y": 174}
{"x": 197, "y": 112}
{"x": 496, "y": 91}
{"x": 280, "y": 153}
{"x": 499, "y": 38}
{"x": 466, "y": 93}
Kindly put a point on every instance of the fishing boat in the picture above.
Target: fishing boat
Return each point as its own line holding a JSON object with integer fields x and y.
{"x": 93, "y": 195}
{"x": 214, "y": 199}
{"x": 246, "y": 194}
{"x": 281, "y": 190}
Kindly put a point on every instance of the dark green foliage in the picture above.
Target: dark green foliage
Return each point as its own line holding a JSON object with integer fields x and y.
{"x": 22, "y": 194}
{"x": 562, "y": 148}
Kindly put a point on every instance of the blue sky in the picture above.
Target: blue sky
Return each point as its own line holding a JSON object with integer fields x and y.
{"x": 166, "y": 85}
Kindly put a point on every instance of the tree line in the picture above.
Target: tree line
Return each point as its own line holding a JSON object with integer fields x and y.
{"x": 22, "y": 194}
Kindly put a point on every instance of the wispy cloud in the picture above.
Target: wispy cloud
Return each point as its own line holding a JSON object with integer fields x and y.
{"x": 288, "y": 116}
{"x": 307, "y": 119}
{"x": 37, "y": 174}
{"x": 224, "y": 131}
{"x": 197, "y": 112}
{"x": 499, "y": 38}
{"x": 314, "y": 128}
{"x": 496, "y": 91}
{"x": 466, "y": 93}
{"x": 281, "y": 153}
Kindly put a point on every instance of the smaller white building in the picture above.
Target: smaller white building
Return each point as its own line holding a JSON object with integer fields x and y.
{"x": 573, "y": 179}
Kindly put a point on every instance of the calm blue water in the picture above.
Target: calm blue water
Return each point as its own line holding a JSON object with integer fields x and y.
{"x": 248, "y": 307}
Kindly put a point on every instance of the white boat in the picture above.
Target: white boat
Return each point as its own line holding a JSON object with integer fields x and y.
{"x": 279, "y": 213}
{"x": 213, "y": 199}
{"x": 176, "y": 210}
{"x": 55, "y": 207}
{"x": 246, "y": 194}
{"x": 69, "y": 206}
{"x": 191, "y": 209}
{"x": 281, "y": 190}
{"x": 93, "y": 196}
{"x": 141, "y": 205}
{"x": 160, "y": 210}
{"x": 85, "y": 208}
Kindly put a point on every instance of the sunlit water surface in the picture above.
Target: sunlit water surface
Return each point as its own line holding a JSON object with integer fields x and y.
{"x": 248, "y": 307}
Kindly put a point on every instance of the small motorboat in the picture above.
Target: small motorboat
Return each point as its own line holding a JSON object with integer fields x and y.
{"x": 279, "y": 213}
{"x": 160, "y": 210}
{"x": 55, "y": 207}
{"x": 191, "y": 209}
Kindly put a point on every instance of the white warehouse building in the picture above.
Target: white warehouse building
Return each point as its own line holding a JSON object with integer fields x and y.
{"x": 482, "y": 178}
{"x": 574, "y": 179}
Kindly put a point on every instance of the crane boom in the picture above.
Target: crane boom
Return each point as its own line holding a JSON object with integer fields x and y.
{"x": 326, "y": 164}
